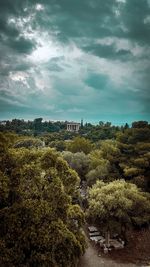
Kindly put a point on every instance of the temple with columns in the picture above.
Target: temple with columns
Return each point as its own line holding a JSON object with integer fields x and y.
{"x": 73, "y": 126}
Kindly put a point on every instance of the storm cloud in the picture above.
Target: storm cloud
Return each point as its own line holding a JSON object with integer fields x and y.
{"x": 70, "y": 59}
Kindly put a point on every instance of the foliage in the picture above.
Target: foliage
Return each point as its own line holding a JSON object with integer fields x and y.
{"x": 102, "y": 131}
{"x": 32, "y": 127}
{"x": 101, "y": 172}
{"x": 80, "y": 144}
{"x": 134, "y": 161}
{"x": 103, "y": 162}
{"x": 118, "y": 204}
{"x": 29, "y": 143}
{"x": 77, "y": 161}
{"x": 59, "y": 145}
{"x": 39, "y": 224}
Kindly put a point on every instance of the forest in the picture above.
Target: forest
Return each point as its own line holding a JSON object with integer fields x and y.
{"x": 42, "y": 171}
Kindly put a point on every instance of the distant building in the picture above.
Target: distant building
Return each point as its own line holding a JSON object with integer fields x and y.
{"x": 73, "y": 126}
{"x": 3, "y": 122}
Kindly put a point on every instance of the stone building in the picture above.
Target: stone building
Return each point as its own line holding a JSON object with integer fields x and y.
{"x": 73, "y": 126}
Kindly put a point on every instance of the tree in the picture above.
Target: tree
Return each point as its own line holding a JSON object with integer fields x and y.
{"x": 29, "y": 143}
{"x": 134, "y": 163}
{"x": 77, "y": 161}
{"x": 101, "y": 172}
{"x": 39, "y": 224}
{"x": 80, "y": 144}
{"x": 59, "y": 145}
{"x": 118, "y": 205}
{"x": 37, "y": 123}
{"x": 126, "y": 126}
{"x": 104, "y": 162}
{"x": 139, "y": 124}
{"x": 110, "y": 150}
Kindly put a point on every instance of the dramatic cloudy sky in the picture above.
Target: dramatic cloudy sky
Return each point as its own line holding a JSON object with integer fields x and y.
{"x": 73, "y": 59}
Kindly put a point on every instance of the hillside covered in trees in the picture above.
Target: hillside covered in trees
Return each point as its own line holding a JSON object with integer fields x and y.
{"x": 42, "y": 212}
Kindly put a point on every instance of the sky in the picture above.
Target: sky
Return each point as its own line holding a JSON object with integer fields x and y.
{"x": 73, "y": 59}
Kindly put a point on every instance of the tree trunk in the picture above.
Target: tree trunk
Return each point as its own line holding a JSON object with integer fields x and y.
{"x": 107, "y": 238}
{"x": 123, "y": 233}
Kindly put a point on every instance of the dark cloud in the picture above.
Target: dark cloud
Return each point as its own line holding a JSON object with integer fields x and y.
{"x": 97, "y": 81}
{"x": 133, "y": 15}
{"x": 76, "y": 19}
{"x": 87, "y": 24}
{"x": 108, "y": 51}
{"x": 97, "y": 19}
{"x": 22, "y": 45}
{"x": 10, "y": 34}
{"x": 7, "y": 30}
{"x": 11, "y": 61}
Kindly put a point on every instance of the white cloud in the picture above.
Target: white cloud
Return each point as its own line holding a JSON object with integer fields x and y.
{"x": 122, "y": 44}
{"x": 121, "y": 1}
{"x": 147, "y": 20}
{"x": 39, "y": 7}
{"x": 19, "y": 76}
{"x": 44, "y": 53}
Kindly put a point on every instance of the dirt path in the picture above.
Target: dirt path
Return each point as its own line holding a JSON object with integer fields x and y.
{"x": 91, "y": 259}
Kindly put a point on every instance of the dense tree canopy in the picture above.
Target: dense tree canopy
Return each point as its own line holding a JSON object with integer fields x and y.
{"x": 118, "y": 205}
{"x": 40, "y": 220}
{"x": 77, "y": 161}
{"x": 134, "y": 162}
{"x": 80, "y": 144}
{"x": 39, "y": 224}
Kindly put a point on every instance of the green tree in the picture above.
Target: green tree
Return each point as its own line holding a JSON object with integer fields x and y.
{"x": 134, "y": 163}
{"x": 59, "y": 145}
{"x": 104, "y": 162}
{"x": 77, "y": 161}
{"x": 118, "y": 205}
{"x": 109, "y": 150}
{"x": 39, "y": 224}
{"x": 80, "y": 144}
{"x": 139, "y": 124}
{"x": 101, "y": 172}
{"x": 29, "y": 143}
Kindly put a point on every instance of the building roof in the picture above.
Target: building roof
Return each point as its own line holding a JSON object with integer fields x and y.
{"x": 72, "y": 122}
